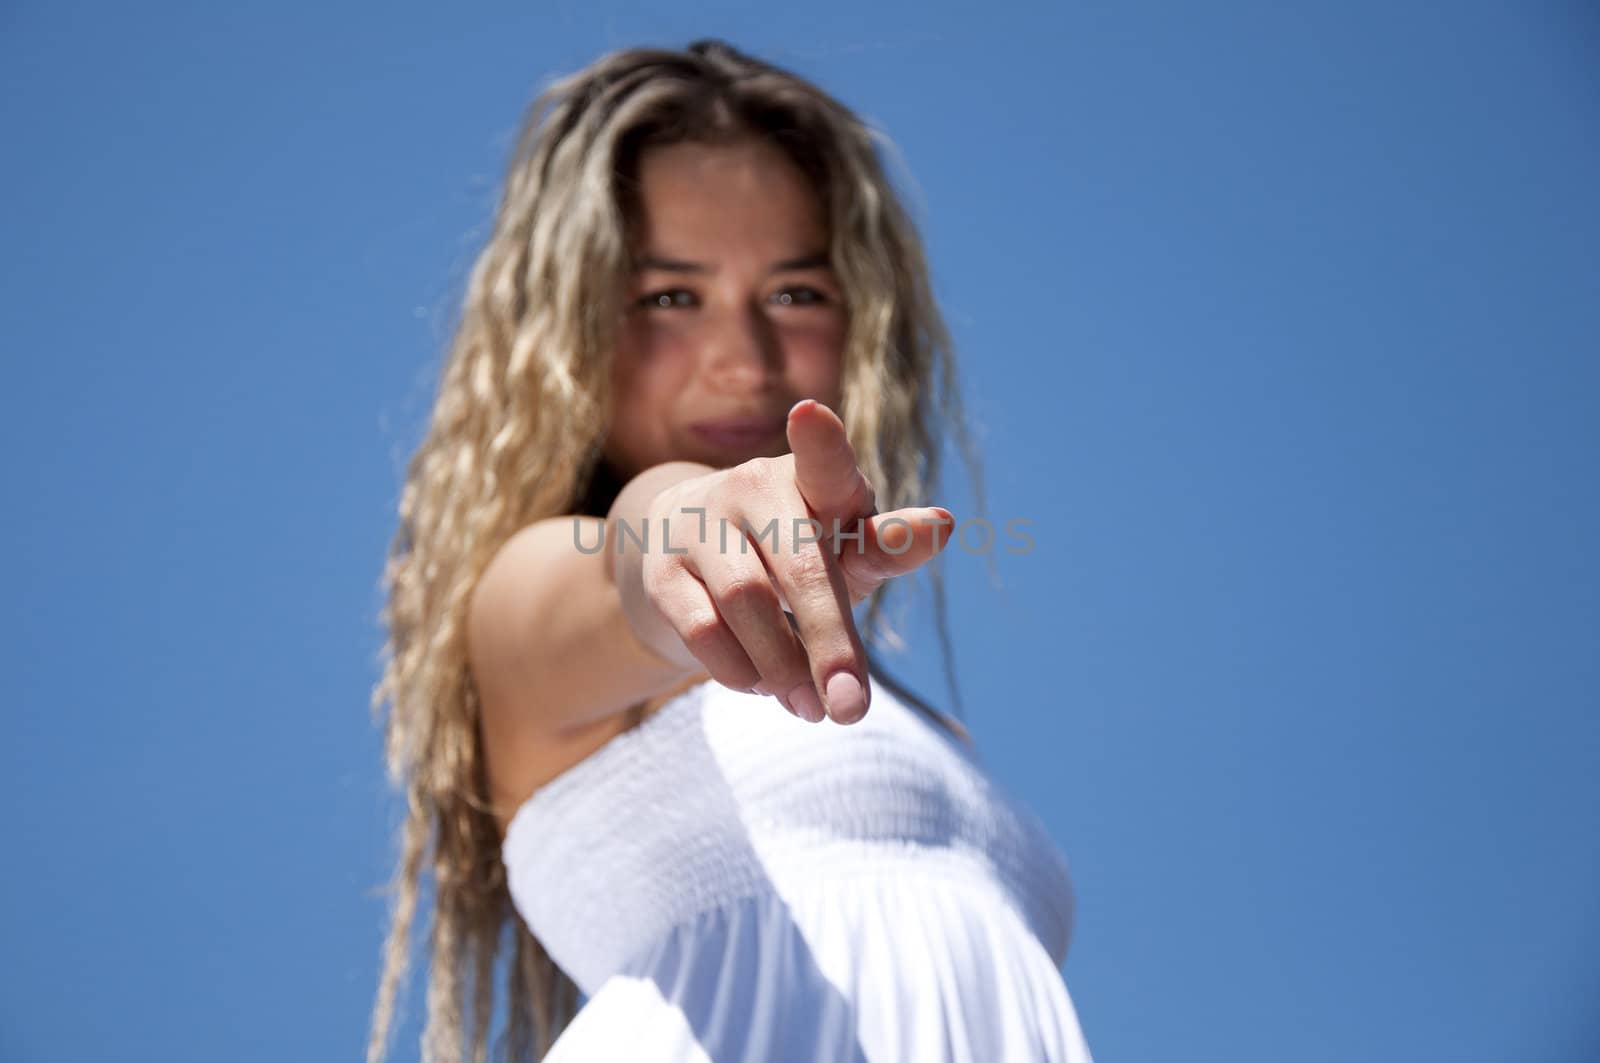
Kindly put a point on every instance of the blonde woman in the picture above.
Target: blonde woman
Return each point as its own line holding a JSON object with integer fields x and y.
{"x": 687, "y": 424}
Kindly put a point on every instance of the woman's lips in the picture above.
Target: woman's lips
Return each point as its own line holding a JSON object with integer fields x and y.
{"x": 740, "y": 432}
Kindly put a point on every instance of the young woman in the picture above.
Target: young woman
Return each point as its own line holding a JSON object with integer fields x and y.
{"x": 686, "y": 425}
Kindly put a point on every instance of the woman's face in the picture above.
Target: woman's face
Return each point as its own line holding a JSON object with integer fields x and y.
{"x": 733, "y": 315}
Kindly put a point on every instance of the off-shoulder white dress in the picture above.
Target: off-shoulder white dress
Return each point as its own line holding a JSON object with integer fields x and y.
{"x": 725, "y": 882}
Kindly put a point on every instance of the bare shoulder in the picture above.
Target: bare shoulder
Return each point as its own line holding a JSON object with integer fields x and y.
{"x": 516, "y": 770}
{"x": 517, "y": 766}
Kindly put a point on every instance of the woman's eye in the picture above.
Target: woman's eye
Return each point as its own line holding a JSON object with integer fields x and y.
{"x": 798, "y": 297}
{"x": 666, "y": 299}
{"x": 670, "y": 298}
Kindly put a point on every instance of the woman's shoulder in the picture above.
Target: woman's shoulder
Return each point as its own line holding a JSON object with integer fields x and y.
{"x": 534, "y": 765}
{"x": 516, "y": 771}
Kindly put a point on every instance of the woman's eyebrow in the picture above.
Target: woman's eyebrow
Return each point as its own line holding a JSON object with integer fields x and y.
{"x": 811, "y": 260}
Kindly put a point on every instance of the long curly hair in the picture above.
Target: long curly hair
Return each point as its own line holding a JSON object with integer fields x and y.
{"x": 516, "y": 433}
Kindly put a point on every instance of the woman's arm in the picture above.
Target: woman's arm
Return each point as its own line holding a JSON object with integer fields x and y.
{"x": 550, "y": 647}
{"x": 565, "y": 633}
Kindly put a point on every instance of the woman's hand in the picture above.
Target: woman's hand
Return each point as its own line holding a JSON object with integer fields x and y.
{"x": 730, "y": 550}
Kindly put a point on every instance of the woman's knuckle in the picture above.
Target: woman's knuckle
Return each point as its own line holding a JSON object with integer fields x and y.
{"x": 752, "y": 475}
{"x": 807, "y": 567}
{"x": 745, "y": 588}
{"x": 654, "y": 579}
{"x": 701, "y": 631}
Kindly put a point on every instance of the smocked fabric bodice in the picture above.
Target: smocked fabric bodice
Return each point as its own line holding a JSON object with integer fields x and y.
{"x": 721, "y": 796}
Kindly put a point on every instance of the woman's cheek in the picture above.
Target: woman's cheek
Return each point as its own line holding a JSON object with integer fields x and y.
{"x": 816, "y": 358}
{"x": 666, "y": 341}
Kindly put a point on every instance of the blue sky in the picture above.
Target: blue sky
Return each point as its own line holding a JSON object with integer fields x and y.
{"x": 1273, "y": 319}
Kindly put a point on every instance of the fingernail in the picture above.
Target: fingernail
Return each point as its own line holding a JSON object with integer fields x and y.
{"x": 846, "y": 699}
{"x": 803, "y": 699}
{"x": 761, "y": 688}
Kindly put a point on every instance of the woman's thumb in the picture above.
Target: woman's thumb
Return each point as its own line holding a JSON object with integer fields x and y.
{"x": 892, "y": 544}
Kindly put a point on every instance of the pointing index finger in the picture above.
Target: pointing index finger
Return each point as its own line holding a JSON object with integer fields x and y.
{"x": 825, "y": 466}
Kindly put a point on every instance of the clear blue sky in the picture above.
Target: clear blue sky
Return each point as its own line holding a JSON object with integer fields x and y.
{"x": 1281, "y": 326}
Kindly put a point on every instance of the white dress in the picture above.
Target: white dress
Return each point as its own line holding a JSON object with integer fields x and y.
{"x": 728, "y": 883}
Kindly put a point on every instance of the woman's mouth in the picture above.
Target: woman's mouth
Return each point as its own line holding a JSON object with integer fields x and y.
{"x": 739, "y": 433}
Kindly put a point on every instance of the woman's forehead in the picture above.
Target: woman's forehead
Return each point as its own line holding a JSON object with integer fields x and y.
{"x": 700, "y": 201}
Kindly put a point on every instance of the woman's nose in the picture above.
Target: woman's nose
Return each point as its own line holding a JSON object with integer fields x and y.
{"x": 741, "y": 348}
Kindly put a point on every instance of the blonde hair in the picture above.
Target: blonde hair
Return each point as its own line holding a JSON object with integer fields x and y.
{"x": 515, "y": 436}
